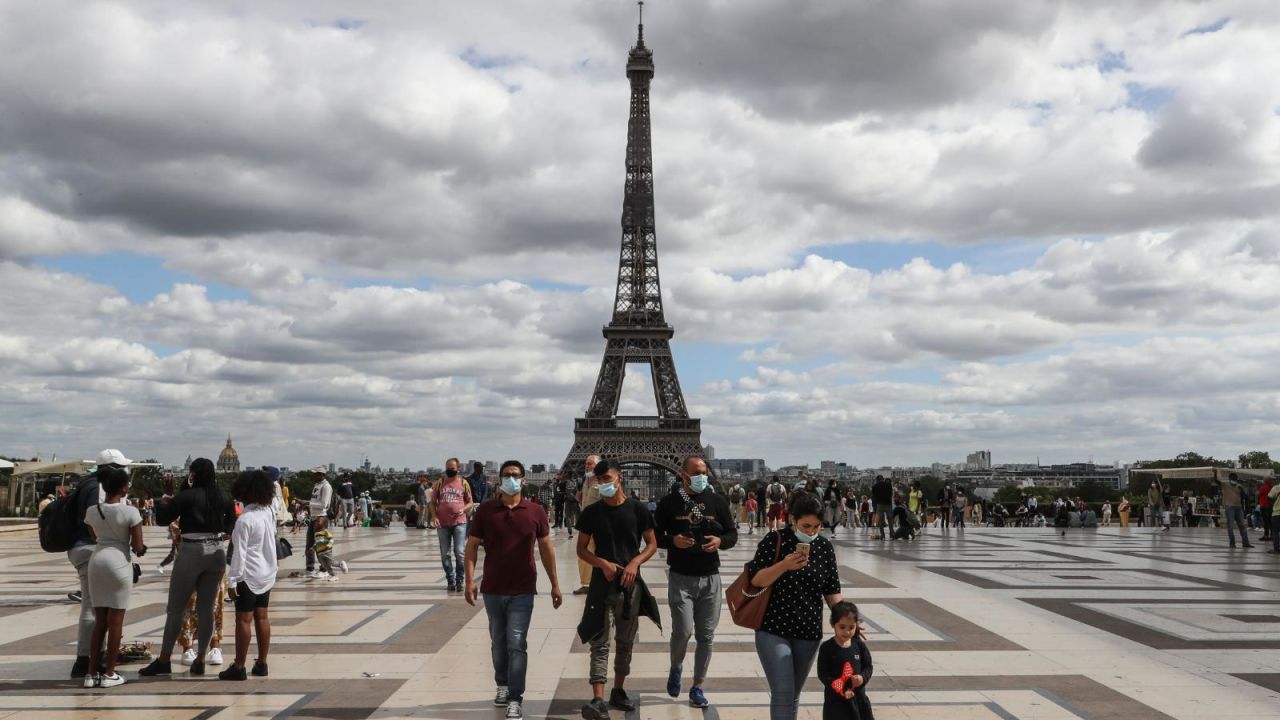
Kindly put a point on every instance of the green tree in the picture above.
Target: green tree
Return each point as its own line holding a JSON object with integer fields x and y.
{"x": 147, "y": 481}
{"x": 1188, "y": 459}
{"x": 1258, "y": 460}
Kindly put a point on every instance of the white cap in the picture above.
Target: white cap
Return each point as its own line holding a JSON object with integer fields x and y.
{"x": 113, "y": 457}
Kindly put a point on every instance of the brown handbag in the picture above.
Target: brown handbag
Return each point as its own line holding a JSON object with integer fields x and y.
{"x": 747, "y": 602}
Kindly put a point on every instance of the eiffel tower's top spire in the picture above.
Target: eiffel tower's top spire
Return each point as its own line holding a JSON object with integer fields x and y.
{"x": 640, "y": 34}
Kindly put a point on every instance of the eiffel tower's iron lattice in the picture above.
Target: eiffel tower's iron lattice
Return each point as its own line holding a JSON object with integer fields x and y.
{"x": 638, "y": 332}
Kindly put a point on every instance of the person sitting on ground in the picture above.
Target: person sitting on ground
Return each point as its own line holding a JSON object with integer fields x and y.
{"x": 903, "y": 527}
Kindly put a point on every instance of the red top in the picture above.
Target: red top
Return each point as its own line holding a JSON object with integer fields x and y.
{"x": 509, "y": 536}
{"x": 451, "y": 496}
{"x": 1263, "y": 500}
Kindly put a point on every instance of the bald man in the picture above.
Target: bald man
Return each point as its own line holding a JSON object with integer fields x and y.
{"x": 586, "y": 495}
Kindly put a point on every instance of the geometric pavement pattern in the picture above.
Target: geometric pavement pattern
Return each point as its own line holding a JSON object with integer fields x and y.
{"x": 988, "y": 623}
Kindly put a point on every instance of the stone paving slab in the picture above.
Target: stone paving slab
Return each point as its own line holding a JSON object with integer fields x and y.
{"x": 985, "y": 623}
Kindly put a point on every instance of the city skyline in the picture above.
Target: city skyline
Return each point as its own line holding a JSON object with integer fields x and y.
{"x": 1047, "y": 229}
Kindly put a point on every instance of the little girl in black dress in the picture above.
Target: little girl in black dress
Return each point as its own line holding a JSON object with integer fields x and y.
{"x": 844, "y": 667}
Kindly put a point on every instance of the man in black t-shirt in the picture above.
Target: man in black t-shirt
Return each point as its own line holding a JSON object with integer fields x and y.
{"x": 615, "y": 525}
{"x": 693, "y": 525}
{"x": 882, "y": 496}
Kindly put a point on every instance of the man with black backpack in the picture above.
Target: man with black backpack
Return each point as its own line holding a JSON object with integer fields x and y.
{"x": 737, "y": 496}
{"x": 87, "y": 494}
{"x": 777, "y": 495}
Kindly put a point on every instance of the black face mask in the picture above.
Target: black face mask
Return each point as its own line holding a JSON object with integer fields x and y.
{"x": 451, "y": 473}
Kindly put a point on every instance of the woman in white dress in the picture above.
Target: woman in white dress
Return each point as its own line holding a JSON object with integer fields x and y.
{"x": 117, "y": 526}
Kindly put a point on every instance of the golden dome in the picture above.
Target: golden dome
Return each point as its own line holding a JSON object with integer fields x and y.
{"x": 229, "y": 459}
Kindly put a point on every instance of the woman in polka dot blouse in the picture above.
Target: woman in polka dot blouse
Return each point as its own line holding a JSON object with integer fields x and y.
{"x": 805, "y": 582}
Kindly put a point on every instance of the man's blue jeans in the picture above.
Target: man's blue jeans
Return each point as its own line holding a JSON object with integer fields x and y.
{"x": 786, "y": 664}
{"x": 1236, "y": 514}
{"x": 509, "y": 636}
{"x": 453, "y": 542}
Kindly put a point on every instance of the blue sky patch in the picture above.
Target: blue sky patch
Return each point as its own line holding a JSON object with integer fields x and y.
{"x": 138, "y": 277}
{"x": 1212, "y": 27}
{"x": 480, "y": 61}
{"x": 1149, "y": 98}
{"x": 1110, "y": 61}
{"x": 878, "y": 256}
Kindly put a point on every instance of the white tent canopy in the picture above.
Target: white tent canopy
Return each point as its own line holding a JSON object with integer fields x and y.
{"x": 5, "y": 464}
{"x": 75, "y": 467}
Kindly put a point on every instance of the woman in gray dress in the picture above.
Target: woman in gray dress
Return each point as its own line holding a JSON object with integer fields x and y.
{"x": 117, "y": 525}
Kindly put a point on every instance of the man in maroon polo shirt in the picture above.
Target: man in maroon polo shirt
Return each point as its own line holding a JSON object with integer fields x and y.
{"x": 508, "y": 526}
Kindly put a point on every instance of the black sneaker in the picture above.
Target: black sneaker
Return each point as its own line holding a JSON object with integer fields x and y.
{"x": 452, "y": 588}
{"x": 618, "y": 699}
{"x": 74, "y": 596}
{"x": 157, "y": 667}
{"x": 197, "y": 668}
{"x": 81, "y": 666}
{"x": 595, "y": 710}
{"x": 235, "y": 672}
{"x": 259, "y": 669}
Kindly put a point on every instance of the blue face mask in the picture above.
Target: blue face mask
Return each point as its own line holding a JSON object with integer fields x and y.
{"x": 804, "y": 538}
{"x": 698, "y": 483}
{"x": 608, "y": 490}
{"x": 511, "y": 485}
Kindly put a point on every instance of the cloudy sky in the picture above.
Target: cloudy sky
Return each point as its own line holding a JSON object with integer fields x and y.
{"x": 891, "y": 231}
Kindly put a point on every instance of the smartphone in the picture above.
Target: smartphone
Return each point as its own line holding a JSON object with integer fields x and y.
{"x": 803, "y": 549}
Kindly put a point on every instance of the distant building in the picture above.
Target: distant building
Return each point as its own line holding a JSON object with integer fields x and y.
{"x": 228, "y": 459}
{"x": 708, "y": 452}
{"x": 979, "y": 460}
{"x": 748, "y": 468}
{"x": 186, "y": 466}
{"x": 537, "y": 469}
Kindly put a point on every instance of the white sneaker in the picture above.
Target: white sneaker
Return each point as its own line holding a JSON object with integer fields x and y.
{"x": 514, "y": 712}
{"x": 112, "y": 680}
{"x": 343, "y": 565}
{"x": 331, "y": 578}
{"x": 499, "y": 699}
{"x": 215, "y": 656}
{"x": 91, "y": 680}
{"x": 160, "y": 569}
{"x": 315, "y": 574}
{"x": 188, "y": 656}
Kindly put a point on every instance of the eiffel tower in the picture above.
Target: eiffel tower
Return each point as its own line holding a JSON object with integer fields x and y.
{"x": 638, "y": 332}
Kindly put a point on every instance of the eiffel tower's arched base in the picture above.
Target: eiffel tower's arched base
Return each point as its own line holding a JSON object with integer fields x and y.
{"x": 662, "y": 449}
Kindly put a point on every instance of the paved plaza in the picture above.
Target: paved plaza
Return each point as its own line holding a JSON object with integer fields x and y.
{"x": 991, "y": 623}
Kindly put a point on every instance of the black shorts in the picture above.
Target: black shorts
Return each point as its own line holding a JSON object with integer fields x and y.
{"x": 248, "y": 601}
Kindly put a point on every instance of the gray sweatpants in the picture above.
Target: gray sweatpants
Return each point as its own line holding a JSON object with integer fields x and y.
{"x": 79, "y": 557}
{"x": 695, "y": 611}
{"x": 199, "y": 568}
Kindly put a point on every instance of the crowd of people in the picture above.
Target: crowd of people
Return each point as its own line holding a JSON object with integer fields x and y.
{"x": 107, "y": 535}
{"x": 617, "y": 535}
{"x": 229, "y": 544}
